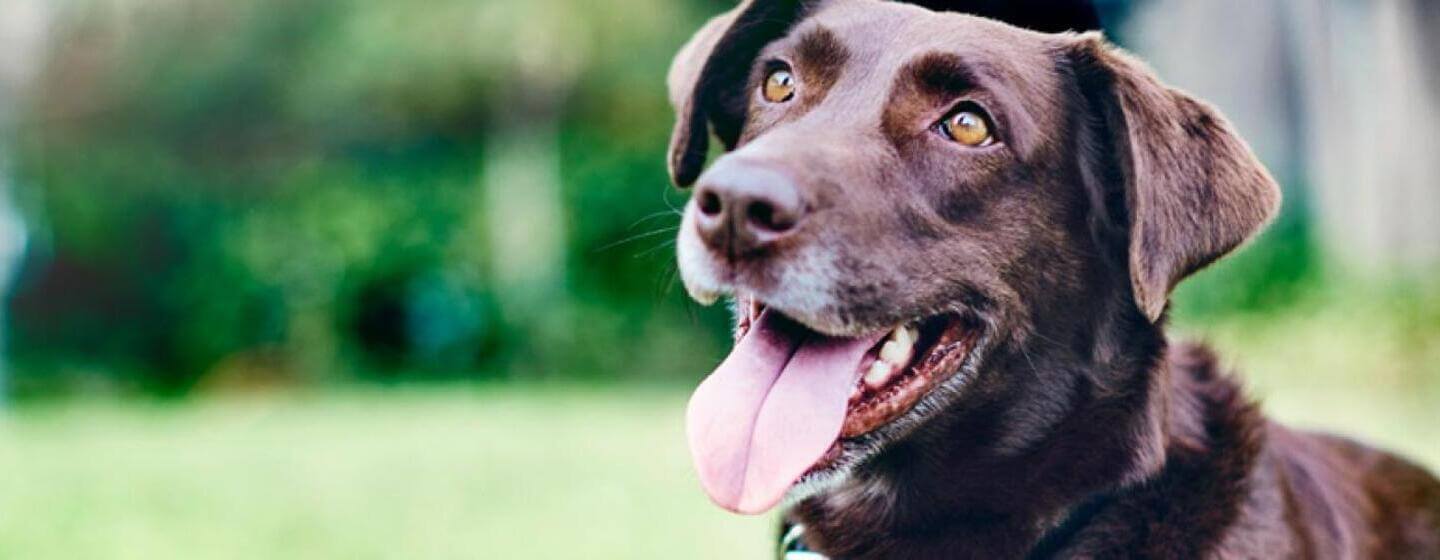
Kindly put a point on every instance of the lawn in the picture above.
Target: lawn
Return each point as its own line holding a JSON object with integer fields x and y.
{"x": 524, "y": 472}
{"x": 456, "y": 473}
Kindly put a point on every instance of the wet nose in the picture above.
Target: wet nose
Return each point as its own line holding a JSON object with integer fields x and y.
{"x": 745, "y": 208}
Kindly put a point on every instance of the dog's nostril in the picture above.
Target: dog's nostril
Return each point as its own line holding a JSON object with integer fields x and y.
{"x": 710, "y": 203}
{"x": 764, "y": 215}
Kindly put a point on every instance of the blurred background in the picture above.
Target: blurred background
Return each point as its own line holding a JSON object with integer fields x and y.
{"x": 381, "y": 279}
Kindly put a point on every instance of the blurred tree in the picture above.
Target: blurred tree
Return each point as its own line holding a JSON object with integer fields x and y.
{"x": 234, "y": 192}
{"x": 23, "y": 25}
{"x": 523, "y": 195}
{"x": 1374, "y": 91}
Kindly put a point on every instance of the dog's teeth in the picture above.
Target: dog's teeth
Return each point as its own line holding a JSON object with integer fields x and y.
{"x": 905, "y": 335}
{"x": 895, "y": 352}
{"x": 899, "y": 347}
{"x": 879, "y": 373}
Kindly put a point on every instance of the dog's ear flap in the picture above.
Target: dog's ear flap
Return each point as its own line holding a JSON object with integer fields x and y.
{"x": 709, "y": 78}
{"x": 1192, "y": 189}
{"x": 690, "y": 141}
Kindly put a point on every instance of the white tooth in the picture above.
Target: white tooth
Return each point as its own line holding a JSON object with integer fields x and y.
{"x": 877, "y": 376}
{"x": 895, "y": 352}
{"x": 906, "y": 335}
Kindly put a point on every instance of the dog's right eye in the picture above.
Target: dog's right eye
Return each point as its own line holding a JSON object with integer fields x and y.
{"x": 779, "y": 86}
{"x": 968, "y": 125}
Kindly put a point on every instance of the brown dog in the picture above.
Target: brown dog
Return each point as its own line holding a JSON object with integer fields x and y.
{"x": 951, "y": 243}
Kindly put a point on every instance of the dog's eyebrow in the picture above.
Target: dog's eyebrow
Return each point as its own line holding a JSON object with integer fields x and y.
{"x": 939, "y": 74}
{"x": 921, "y": 86}
{"x": 819, "y": 47}
{"x": 820, "y": 57}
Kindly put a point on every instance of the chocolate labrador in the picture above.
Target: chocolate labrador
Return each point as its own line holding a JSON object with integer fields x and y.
{"x": 950, "y": 243}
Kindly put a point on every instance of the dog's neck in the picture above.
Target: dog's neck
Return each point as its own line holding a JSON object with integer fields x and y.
{"x": 953, "y": 488}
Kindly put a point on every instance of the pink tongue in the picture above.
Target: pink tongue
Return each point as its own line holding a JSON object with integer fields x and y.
{"x": 770, "y": 411}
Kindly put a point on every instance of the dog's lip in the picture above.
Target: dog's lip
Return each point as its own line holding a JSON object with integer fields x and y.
{"x": 748, "y": 308}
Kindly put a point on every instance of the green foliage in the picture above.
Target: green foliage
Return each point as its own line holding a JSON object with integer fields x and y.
{"x": 265, "y": 190}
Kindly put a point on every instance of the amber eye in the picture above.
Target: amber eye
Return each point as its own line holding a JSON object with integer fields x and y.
{"x": 968, "y": 127}
{"x": 779, "y": 86}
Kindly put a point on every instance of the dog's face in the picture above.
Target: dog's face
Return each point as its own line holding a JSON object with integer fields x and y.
{"x": 912, "y": 201}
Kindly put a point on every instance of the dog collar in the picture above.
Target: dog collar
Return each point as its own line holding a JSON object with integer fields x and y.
{"x": 792, "y": 546}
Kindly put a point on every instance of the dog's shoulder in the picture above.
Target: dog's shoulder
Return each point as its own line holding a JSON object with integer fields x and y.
{"x": 1286, "y": 491}
{"x": 1378, "y": 503}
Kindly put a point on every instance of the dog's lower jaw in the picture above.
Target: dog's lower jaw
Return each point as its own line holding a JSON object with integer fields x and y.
{"x": 992, "y": 502}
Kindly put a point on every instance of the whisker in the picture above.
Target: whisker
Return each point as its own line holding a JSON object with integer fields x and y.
{"x": 665, "y": 198}
{"x": 659, "y": 214}
{"x": 638, "y": 237}
{"x": 652, "y": 250}
{"x": 1028, "y": 359}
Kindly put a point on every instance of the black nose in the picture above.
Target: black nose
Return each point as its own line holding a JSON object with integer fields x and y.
{"x": 745, "y": 208}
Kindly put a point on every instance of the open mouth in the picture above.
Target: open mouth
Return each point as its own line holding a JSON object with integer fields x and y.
{"x": 898, "y": 370}
{"x": 786, "y": 401}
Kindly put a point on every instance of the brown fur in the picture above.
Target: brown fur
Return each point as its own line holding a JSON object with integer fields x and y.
{"x": 1074, "y": 430}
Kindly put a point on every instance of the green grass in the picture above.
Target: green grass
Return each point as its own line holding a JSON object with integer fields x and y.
{"x": 534, "y": 473}
{"x": 458, "y": 473}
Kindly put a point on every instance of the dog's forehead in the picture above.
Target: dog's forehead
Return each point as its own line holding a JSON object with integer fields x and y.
{"x": 888, "y": 34}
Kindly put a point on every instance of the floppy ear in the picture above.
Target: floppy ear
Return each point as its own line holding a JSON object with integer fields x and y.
{"x": 709, "y": 79}
{"x": 1192, "y": 189}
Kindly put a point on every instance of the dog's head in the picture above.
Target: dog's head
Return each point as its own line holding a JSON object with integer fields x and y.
{"x": 916, "y": 206}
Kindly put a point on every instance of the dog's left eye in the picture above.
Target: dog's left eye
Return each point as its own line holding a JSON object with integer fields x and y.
{"x": 968, "y": 125}
{"x": 779, "y": 86}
